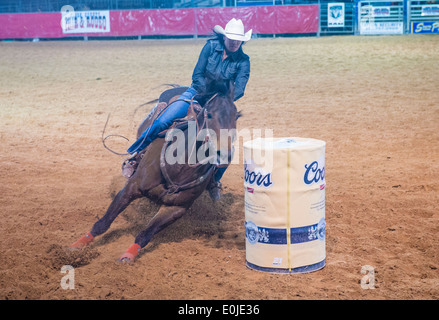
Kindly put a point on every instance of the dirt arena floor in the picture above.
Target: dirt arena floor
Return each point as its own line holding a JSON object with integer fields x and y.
{"x": 374, "y": 100}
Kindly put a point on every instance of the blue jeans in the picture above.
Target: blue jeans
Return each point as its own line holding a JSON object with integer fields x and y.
{"x": 175, "y": 111}
{"x": 219, "y": 173}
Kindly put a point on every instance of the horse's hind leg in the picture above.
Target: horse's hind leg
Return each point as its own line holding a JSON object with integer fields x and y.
{"x": 164, "y": 217}
{"x": 125, "y": 196}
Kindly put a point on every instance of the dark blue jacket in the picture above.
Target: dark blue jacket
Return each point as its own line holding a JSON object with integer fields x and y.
{"x": 210, "y": 64}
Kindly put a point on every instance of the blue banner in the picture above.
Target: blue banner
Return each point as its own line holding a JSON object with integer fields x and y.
{"x": 425, "y": 27}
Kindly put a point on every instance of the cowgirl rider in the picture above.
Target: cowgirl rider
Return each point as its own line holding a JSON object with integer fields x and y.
{"x": 221, "y": 58}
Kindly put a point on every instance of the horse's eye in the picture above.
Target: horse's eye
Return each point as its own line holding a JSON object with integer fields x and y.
{"x": 209, "y": 115}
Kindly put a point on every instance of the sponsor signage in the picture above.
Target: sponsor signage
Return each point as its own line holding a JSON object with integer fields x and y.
{"x": 430, "y": 10}
{"x": 336, "y": 14}
{"x": 85, "y": 21}
{"x": 381, "y": 27}
{"x": 381, "y": 12}
{"x": 425, "y": 27}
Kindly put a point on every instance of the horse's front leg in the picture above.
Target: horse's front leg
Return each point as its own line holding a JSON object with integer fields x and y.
{"x": 125, "y": 196}
{"x": 164, "y": 217}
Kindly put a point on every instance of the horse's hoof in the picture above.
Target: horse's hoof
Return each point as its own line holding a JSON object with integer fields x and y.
{"x": 130, "y": 255}
{"x": 82, "y": 242}
{"x": 214, "y": 189}
{"x": 126, "y": 260}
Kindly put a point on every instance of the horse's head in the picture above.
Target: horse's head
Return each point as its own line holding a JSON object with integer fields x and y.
{"x": 219, "y": 115}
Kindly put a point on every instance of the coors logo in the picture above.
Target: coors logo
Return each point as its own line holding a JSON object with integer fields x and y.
{"x": 314, "y": 172}
{"x": 257, "y": 177}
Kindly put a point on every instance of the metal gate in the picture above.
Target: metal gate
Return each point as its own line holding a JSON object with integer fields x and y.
{"x": 337, "y": 17}
{"x": 381, "y": 17}
{"x": 423, "y": 17}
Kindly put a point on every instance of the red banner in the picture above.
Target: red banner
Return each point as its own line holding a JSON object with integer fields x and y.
{"x": 296, "y": 19}
{"x": 263, "y": 20}
{"x": 200, "y": 21}
{"x": 207, "y": 18}
{"x": 30, "y": 25}
{"x": 153, "y": 22}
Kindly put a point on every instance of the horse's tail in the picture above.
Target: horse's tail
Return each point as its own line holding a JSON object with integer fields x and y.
{"x": 171, "y": 85}
{"x": 144, "y": 104}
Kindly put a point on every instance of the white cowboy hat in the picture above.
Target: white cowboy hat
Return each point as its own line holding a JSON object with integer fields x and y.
{"x": 234, "y": 30}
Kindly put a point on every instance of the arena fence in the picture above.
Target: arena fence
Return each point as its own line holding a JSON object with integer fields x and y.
{"x": 22, "y": 6}
{"x": 381, "y": 17}
{"x": 162, "y": 22}
{"x": 423, "y": 17}
{"x": 114, "y": 18}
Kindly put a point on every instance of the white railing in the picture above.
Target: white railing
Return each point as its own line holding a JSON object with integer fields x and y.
{"x": 381, "y": 17}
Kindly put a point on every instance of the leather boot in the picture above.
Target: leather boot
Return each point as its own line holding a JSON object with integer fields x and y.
{"x": 129, "y": 166}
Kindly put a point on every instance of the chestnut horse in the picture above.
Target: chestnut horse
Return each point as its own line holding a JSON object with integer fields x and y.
{"x": 175, "y": 184}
